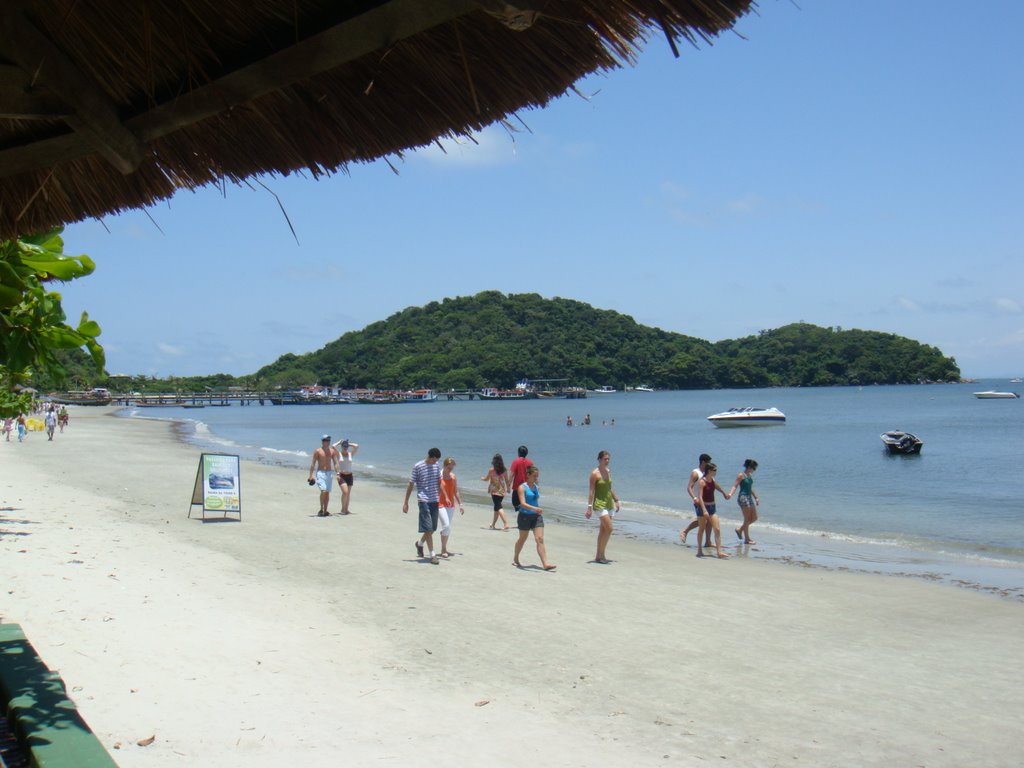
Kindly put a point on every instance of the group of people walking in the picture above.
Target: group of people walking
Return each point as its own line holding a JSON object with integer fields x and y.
{"x": 438, "y": 497}
{"x": 52, "y": 418}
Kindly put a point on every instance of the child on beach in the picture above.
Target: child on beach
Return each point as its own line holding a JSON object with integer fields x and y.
{"x": 748, "y": 500}
{"x": 600, "y": 500}
{"x": 447, "y": 496}
{"x": 706, "y": 498}
{"x": 497, "y": 487}
{"x": 8, "y": 426}
{"x": 531, "y": 518}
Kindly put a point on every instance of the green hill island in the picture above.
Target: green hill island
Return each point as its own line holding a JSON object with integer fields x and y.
{"x": 494, "y": 340}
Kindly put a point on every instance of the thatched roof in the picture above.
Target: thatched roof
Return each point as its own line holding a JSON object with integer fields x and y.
{"x": 113, "y": 104}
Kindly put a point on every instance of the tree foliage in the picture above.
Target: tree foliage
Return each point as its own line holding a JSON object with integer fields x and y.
{"x": 33, "y": 325}
{"x": 494, "y": 339}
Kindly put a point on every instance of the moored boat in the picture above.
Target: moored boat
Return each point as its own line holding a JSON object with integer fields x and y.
{"x": 419, "y": 396}
{"x": 902, "y": 442}
{"x": 605, "y": 390}
{"x": 748, "y": 417}
{"x": 993, "y": 395}
{"x": 90, "y": 397}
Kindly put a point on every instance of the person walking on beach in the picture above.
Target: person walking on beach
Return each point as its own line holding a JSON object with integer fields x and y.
{"x": 51, "y": 423}
{"x": 706, "y": 488}
{"x": 600, "y": 500}
{"x": 497, "y": 487}
{"x": 345, "y": 476}
{"x": 448, "y": 496}
{"x": 426, "y": 477}
{"x": 8, "y": 428}
{"x": 518, "y": 474}
{"x": 22, "y": 427}
{"x": 325, "y": 464}
{"x": 747, "y": 499}
{"x": 62, "y": 418}
{"x": 691, "y": 489}
{"x": 531, "y": 518}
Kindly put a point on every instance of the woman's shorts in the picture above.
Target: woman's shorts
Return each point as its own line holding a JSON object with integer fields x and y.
{"x": 746, "y": 500}
{"x": 496, "y": 500}
{"x": 527, "y": 522}
{"x": 710, "y": 508}
{"x": 345, "y": 478}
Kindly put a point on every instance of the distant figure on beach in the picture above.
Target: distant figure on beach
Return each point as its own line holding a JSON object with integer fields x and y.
{"x": 568, "y": 421}
{"x": 22, "y": 427}
{"x": 600, "y": 500}
{"x": 497, "y": 486}
{"x": 62, "y": 418}
{"x": 695, "y": 475}
{"x": 531, "y": 518}
{"x": 747, "y": 499}
{"x": 426, "y": 477}
{"x": 708, "y": 515}
{"x": 447, "y": 497}
{"x": 518, "y": 474}
{"x": 586, "y": 420}
{"x": 345, "y": 476}
{"x": 325, "y": 465}
{"x": 8, "y": 428}
{"x": 51, "y": 423}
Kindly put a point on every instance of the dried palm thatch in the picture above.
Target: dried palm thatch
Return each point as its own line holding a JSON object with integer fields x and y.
{"x": 113, "y": 104}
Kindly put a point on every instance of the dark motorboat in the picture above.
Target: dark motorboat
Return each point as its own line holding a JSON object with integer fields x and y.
{"x": 902, "y": 442}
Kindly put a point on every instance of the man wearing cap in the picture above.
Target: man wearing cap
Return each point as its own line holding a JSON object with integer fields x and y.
{"x": 325, "y": 464}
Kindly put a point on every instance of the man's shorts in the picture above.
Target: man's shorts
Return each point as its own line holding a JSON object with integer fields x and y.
{"x": 323, "y": 479}
{"x": 428, "y": 516}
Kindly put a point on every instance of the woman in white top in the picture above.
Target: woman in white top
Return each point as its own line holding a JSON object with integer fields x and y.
{"x": 347, "y": 450}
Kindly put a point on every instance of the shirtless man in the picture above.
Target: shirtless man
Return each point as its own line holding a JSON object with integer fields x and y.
{"x": 691, "y": 488}
{"x": 325, "y": 463}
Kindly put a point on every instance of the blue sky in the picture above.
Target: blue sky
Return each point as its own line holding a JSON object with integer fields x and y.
{"x": 853, "y": 164}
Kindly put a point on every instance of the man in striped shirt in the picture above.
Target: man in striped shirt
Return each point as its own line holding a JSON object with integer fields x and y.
{"x": 425, "y": 478}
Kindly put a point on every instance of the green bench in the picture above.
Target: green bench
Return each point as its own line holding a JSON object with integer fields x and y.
{"x": 43, "y": 717}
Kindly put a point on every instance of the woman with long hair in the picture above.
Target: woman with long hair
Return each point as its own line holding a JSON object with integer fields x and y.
{"x": 497, "y": 487}
{"x": 600, "y": 500}
{"x": 531, "y": 518}
{"x": 747, "y": 499}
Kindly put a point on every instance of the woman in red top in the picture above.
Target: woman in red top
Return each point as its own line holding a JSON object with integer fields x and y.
{"x": 706, "y": 511}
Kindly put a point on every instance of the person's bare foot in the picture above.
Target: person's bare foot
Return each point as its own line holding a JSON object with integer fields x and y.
{"x": 517, "y": 564}
{"x": 550, "y": 567}
{"x": 750, "y": 541}
{"x": 683, "y": 535}
{"x": 723, "y": 556}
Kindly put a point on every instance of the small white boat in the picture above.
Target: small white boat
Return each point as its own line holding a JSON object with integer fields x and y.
{"x": 993, "y": 395}
{"x": 605, "y": 390}
{"x": 641, "y": 388}
{"x": 902, "y": 442}
{"x": 748, "y": 417}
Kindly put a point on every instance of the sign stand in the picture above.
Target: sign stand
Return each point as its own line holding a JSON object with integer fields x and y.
{"x": 217, "y": 486}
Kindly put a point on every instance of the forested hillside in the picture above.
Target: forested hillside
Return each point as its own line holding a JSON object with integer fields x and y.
{"x": 494, "y": 339}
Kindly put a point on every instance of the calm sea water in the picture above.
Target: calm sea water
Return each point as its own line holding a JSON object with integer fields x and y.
{"x": 830, "y": 494}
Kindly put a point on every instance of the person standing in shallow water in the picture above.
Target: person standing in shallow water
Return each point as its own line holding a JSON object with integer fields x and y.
{"x": 531, "y": 518}
{"x": 601, "y": 500}
{"x": 747, "y": 499}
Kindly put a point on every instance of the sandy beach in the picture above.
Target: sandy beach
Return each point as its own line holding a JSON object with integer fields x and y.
{"x": 287, "y": 637}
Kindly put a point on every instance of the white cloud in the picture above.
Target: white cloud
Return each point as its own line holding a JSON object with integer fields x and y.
{"x": 492, "y": 146}
{"x": 170, "y": 349}
{"x": 1006, "y": 306}
{"x": 908, "y": 305}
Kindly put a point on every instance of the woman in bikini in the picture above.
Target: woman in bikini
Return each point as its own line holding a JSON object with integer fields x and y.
{"x": 707, "y": 513}
{"x": 747, "y": 499}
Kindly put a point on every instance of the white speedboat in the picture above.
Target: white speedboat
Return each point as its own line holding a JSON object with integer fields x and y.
{"x": 993, "y": 395}
{"x": 902, "y": 442}
{"x": 641, "y": 388}
{"x": 605, "y": 390}
{"x": 748, "y": 417}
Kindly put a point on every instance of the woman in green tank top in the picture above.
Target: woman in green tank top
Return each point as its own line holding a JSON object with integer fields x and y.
{"x": 601, "y": 500}
{"x": 748, "y": 500}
